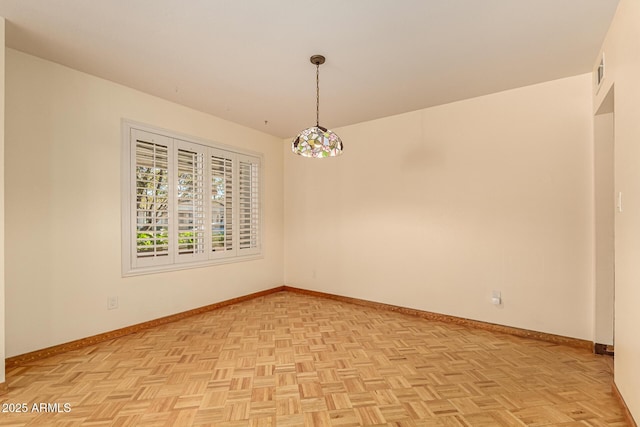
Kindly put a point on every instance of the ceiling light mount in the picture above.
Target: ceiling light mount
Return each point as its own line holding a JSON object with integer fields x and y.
{"x": 317, "y": 60}
{"x": 317, "y": 141}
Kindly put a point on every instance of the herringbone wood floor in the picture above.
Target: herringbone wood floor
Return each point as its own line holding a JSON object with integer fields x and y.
{"x": 294, "y": 360}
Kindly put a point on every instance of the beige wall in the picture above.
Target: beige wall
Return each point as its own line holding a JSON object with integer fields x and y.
{"x": 623, "y": 75}
{"x": 436, "y": 208}
{"x": 2, "y": 224}
{"x": 63, "y": 150}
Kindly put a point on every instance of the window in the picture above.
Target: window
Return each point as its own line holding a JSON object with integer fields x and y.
{"x": 186, "y": 203}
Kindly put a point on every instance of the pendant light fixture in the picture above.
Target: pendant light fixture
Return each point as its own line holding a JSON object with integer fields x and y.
{"x": 317, "y": 141}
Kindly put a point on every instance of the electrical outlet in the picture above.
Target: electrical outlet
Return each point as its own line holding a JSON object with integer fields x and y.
{"x": 496, "y": 298}
{"x": 112, "y": 303}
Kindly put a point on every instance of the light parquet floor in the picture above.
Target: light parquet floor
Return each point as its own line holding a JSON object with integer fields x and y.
{"x": 287, "y": 359}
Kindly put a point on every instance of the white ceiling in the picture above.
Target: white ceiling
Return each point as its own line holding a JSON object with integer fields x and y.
{"x": 248, "y": 60}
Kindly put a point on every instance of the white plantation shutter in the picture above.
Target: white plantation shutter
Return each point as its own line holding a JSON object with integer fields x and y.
{"x": 189, "y": 201}
{"x": 248, "y": 205}
{"x": 151, "y": 213}
{"x": 186, "y": 204}
{"x": 221, "y": 203}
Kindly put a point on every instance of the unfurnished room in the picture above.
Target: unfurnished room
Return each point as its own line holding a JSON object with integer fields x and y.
{"x": 320, "y": 213}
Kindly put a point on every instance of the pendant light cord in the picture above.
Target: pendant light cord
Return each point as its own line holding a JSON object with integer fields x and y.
{"x": 318, "y": 95}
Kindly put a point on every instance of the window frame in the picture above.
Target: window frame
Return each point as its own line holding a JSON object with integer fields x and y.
{"x": 132, "y": 264}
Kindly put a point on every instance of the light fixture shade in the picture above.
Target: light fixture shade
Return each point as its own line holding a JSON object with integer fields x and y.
{"x": 317, "y": 142}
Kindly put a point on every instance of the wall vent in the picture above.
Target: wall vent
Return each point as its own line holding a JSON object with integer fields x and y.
{"x": 599, "y": 72}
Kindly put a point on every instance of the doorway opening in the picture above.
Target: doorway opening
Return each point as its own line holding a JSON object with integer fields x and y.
{"x": 605, "y": 206}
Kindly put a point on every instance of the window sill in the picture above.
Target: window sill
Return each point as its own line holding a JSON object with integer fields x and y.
{"x": 187, "y": 265}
